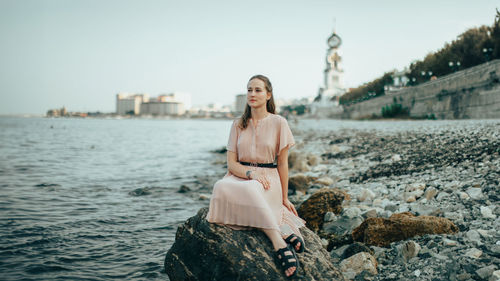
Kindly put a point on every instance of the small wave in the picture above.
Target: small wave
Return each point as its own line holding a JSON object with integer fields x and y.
{"x": 40, "y": 268}
{"x": 147, "y": 275}
{"x": 168, "y": 227}
{"x": 69, "y": 260}
{"x": 22, "y": 169}
{"x": 48, "y": 185}
{"x": 43, "y": 242}
{"x": 96, "y": 237}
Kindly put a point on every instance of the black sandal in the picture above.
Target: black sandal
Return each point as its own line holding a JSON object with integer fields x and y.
{"x": 295, "y": 242}
{"x": 287, "y": 259}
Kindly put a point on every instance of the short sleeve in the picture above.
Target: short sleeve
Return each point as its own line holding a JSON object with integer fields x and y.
{"x": 285, "y": 138}
{"x": 233, "y": 138}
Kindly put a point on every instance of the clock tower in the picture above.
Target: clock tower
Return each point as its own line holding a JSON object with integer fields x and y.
{"x": 334, "y": 86}
{"x": 326, "y": 103}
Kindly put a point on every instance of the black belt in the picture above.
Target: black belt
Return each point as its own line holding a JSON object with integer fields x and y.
{"x": 261, "y": 165}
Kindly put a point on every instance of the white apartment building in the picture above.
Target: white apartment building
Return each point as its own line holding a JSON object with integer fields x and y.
{"x": 166, "y": 104}
{"x": 162, "y": 108}
{"x": 127, "y": 103}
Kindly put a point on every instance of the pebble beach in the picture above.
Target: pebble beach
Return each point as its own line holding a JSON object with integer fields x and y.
{"x": 444, "y": 169}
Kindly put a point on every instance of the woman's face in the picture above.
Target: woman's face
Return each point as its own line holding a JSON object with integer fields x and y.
{"x": 257, "y": 95}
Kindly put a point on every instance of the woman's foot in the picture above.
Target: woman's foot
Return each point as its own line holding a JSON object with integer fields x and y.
{"x": 288, "y": 260}
{"x": 296, "y": 242}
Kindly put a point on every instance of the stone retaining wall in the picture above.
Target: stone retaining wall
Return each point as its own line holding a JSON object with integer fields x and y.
{"x": 473, "y": 93}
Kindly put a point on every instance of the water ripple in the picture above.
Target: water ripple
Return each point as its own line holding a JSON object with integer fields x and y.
{"x": 89, "y": 199}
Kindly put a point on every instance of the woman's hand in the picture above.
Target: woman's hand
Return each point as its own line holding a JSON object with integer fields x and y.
{"x": 290, "y": 206}
{"x": 260, "y": 177}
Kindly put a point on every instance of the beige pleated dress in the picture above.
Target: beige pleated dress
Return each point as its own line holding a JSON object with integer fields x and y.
{"x": 242, "y": 203}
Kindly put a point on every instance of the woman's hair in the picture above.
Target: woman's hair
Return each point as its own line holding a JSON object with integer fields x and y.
{"x": 271, "y": 108}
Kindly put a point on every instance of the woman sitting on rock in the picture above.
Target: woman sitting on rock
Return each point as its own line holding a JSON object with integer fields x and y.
{"x": 254, "y": 192}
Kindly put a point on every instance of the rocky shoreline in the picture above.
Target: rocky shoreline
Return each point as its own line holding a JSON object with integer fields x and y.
{"x": 447, "y": 173}
{"x": 450, "y": 172}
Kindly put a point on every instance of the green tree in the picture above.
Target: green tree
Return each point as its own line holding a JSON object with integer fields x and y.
{"x": 369, "y": 90}
{"x": 474, "y": 46}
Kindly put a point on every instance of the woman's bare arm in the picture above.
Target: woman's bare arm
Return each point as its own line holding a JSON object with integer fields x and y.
{"x": 283, "y": 172}
{"x": 234, "y": 166}
{"x": 239, "y": 170}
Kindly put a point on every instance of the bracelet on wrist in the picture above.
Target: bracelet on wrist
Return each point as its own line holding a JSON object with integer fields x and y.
{"x": 248, "y": 173}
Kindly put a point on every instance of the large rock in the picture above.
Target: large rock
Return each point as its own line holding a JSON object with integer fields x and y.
{"x": 357, "y": 263}
{"x": 297, "y": 161}
{"x": 299, "y": 182}
{"x": 206, "y": 251}
{"x": 382, "y": 232}
{"x": 410, "y": 249}
{"x": 324, "y": 200}
{"x": 342, "y": 224}
{"x": 313, "y": 160}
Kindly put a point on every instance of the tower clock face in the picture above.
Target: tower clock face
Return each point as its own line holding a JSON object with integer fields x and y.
{"x": 334, "y": 41}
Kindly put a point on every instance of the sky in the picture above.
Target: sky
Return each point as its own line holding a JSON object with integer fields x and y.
{"x": 81, "y": 53}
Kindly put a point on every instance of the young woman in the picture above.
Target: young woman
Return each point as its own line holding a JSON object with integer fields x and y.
{"x": 254, "y": 192}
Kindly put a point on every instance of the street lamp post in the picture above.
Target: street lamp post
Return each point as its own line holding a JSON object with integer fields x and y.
{"x": 413, "y": 81}
{"x": 487, "y": 53}
{"x": 455, "y": 66}
{"x": 426, "y": 75}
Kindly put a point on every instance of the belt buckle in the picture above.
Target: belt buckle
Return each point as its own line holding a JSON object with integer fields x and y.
{"x": 254, "y": 165}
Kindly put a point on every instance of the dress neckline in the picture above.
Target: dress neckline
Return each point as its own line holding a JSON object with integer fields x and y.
{"x": 262, "y": 118}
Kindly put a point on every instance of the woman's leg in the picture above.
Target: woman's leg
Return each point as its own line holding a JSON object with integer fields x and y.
{"x": 278, "y": 243}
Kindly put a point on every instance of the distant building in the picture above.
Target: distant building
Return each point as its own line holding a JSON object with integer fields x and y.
{"x": 162, "y": 108}
{"x": 213, "y": 110}
{"x": 400, "y": 78}
{"x": 63, "y": 112}
{"x": 141, "y": 104}
{"x": 130, "y": 103}
{"x": 240, "y": 103}
{"x": 57, "y": 112}
{"x": 183, "y": 98}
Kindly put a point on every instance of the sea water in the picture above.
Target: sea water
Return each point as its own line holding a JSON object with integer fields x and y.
{"x": 96, "y": 199}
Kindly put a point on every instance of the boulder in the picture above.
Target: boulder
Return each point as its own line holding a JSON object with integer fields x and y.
{"x": 473, "y": 253}
{"x": 475, "y": 193}
{"x": 298, "y": 161}
{"x": 365, "y": 195}
{"x": 485, "y": 272}
{"x": 355, "y": 248}
{"x": 313, "y": 160}
{"x": 324, "y": 181}
{"x": 430, "y": 193}
{"x": 358, "y": 263}
{"x": 382, "y": 232}
{"x": 487, "y": 213}
{"x": 299, "y": 182}
{"x": 410, "y": 249}
{"x": 206, "y": 251}
{"x": 324, "y": 200}
{"x": 342, "y": 224}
